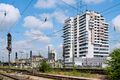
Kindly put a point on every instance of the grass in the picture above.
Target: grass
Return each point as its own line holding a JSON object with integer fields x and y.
{"x": 13, "y": 67}
{"x": 77, "y": 74}
{"x": 67, "y": 73}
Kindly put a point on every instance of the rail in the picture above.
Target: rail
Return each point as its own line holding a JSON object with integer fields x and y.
{"x": 60, "y": 77}
{"x": 12, "y": 76}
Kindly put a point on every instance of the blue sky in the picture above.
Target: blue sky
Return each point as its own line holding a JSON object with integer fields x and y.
{"x": 31, "y": 33}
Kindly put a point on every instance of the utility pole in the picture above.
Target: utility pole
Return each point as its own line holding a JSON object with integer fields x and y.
{"x": 49, "y": 52}
{"x": 73, "y": 56}
{"x": 30, "y": 54}
{"x": 81, "y": 6}
{"x": 31, "y": 58}
{"x": 16, "y": 56}
{"x": 2, "y": 61}
{"x": 63, "y": 56}
{"x": 9, "y": 46}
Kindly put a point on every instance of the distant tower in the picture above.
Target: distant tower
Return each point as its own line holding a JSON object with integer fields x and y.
{"x": 49, "y": 50}
{"x": 31, "y": 58}
{"x": 51, "y": 54}
{"x": 30, "y": 54}
{"x": 16, "y": 56}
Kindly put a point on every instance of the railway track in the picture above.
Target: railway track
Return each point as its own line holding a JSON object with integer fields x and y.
{"x": 12, "y": 77}
{"x": 85, "y": 70}
{"x": 93, "y": 71}
{"x": 45, "y": 75}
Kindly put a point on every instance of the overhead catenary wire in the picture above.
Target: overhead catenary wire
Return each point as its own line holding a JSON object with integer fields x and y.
{"x": 69, "y": 6}
{"x": 64, "y": 3}
{"x": 5, "y": 13}
{"x": 60, "y": 29}
{"x": 76, "y": 9}
{"x": 103, "y": 11}
{"x": 118, "y": 4}
{"x": 13, "y": 2}
{"x": 39, "y": 36}
{"x": 79, "y": 4}
{"x": 22, "y": 13}
{"x": 107, "y": 9}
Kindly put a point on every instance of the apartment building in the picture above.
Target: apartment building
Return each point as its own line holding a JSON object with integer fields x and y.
{"x": 85, "y": 36}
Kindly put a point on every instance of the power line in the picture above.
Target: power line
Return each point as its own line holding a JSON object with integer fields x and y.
{"x": 13, "y": 2}
{"x": 42, "y": 35}
{"x": 55, "y": 32}
{"x": 118, "y": 4}
{"x": 22, "y": 13}
{"x": 79, "y": 5}
{"x": 26, "y": 7}
{"x": 69, "y": 5}
{"x": 4, "y": 15}
{"x": 76, "y": 9}
{"x": 100, "y": 12}
{"x": 73, "y": 8}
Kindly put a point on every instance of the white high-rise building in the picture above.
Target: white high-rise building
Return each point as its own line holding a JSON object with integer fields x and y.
{"x": 85, "y": 36}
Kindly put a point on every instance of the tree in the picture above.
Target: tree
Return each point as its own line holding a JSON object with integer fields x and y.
{"x": 113, "y": 68}
{"x": 44, "y": 66}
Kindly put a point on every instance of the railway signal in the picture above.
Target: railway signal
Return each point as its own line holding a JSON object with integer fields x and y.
{"x": 9, "y": 46}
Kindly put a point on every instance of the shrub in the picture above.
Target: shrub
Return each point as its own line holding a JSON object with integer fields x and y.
{"x": 44, "y": 67}
{"x": 113, "y": 68}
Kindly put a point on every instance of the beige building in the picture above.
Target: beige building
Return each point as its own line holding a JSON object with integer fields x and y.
{"x": 36, "y": 60}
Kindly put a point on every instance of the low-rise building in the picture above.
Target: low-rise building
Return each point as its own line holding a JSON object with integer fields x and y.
{"x": 36, "y": 60}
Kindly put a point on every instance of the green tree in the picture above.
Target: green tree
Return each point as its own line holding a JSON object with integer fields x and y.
{"x": 113, "y": 68}
{"x": 44, "y": 66}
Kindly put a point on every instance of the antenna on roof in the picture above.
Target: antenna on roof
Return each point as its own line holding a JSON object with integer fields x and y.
{"x": 81, "y": 7}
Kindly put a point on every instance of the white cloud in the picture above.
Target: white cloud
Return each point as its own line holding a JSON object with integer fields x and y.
{"x": 116, "y": 22}
{"x": 114, "y": 46}
{"x": 35, "y": 23}
{"x": 45, "y": 4}
{"x": 39, "y": 36}
{"x": 93, "y": 1}
{"x": 12, "y": 15}
{"x": 58, "y": 15}
{"x": 71, "y": 2}
{"x": 52, "y": 3}
{"x": 20, "y": 45}
{"x": 46, "y": 15}
{"x": 61, "y": 45}
{"x": 59, "y": 51}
